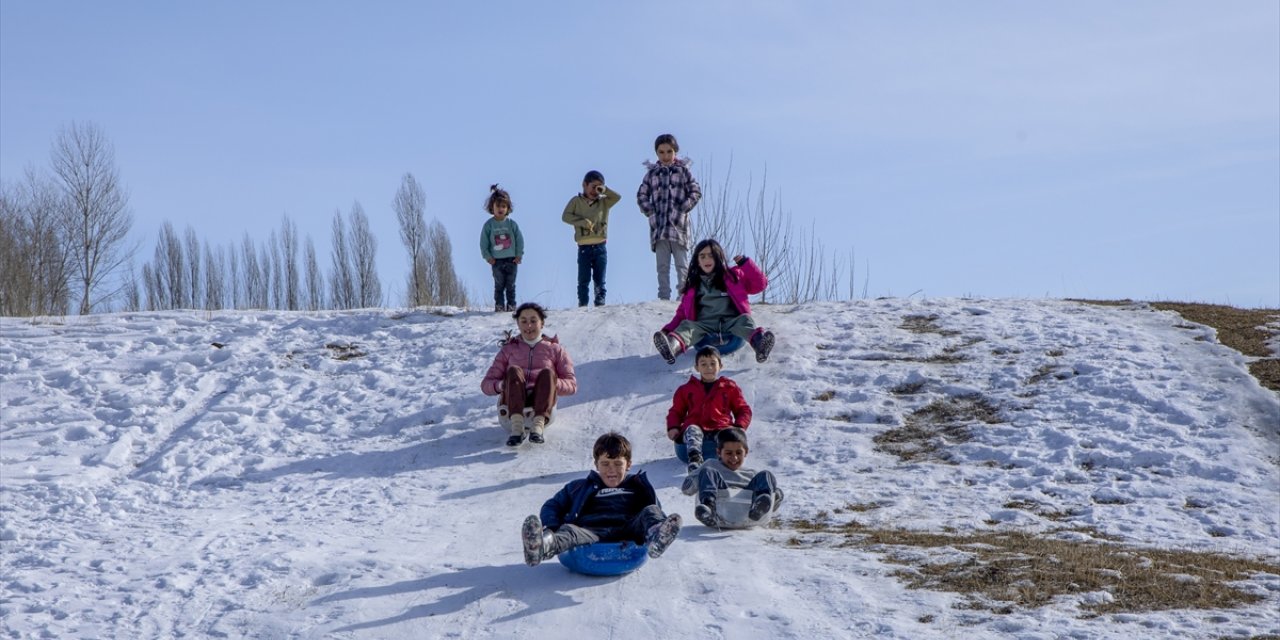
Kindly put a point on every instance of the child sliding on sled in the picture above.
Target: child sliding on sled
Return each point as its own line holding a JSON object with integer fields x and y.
{"x": 703, "y": 407}
{"x": 606, "y": 506}
{"x": 726, "y": 472}
{"x": 715, "y": 301}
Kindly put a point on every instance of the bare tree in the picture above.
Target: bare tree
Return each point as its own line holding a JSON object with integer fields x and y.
{"x": 449, "y": 288}
{"x": 195, "y": 284}
{"x": 33, "y": 258}
{"x": 770, "y": 235}
{"x": 721, "y": 211}
{"x": 234, "y": 285}
{"x": 342, "y": 288}
{"x": 364, "y": 251}
{"x": 255, "y": 290}
{"x": 132, "y": 298}
{"x": 410, "y": 206}
{"x": 314, "y": 280}
{"x": 289, "y": 256}
{"x": 271, "y": 263}
{"x": 165, "y": 277}
{"x": 215, "y": 269}
{"x": 97, "y": 214}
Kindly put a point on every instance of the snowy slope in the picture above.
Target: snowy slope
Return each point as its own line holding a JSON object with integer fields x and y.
{"x": 340, "y": 475}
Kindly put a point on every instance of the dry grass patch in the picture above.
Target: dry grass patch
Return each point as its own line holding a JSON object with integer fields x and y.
{"x": 999, "y": 570}
{"x": 925, "y": 324}
{"x": 343, "y": 352}
{"x": 929, "y": 429}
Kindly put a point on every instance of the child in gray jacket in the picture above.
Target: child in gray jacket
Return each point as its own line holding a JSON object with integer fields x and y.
{"x": 726, "y": 472}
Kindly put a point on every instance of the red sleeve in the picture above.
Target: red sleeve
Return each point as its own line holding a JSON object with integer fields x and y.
{"x": 741, "y": 410}
{"x": 679, "y": 408}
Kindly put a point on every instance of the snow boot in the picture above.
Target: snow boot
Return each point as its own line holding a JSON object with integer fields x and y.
{"x": 760, "y": 507}
{"x": 762, "y": 344}
{"x": 661, "y": 535}
{"x": 689, "y": 485}
{"x": 535, "y": 431}
{"x": 705, "y": 512}
{"x": 517, "y": 430}
{"x": 536, "y": 541}
{"x": 666, "y": 349}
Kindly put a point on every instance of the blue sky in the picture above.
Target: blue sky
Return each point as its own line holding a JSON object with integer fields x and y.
{"x": 996, "y": 149}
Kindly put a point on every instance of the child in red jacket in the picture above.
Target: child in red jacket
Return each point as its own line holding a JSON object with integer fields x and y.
{"x": 706, "y": 404}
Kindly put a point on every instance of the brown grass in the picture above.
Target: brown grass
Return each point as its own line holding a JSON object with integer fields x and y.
{"x": 1241, "y": 329}
{"x": 929, "y": 429}
{"x": 345, "y": 352}
{"x": 1003, "y": 570}
{"x": 925, "y": 324}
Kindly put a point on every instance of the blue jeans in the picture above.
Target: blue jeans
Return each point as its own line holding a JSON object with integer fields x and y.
{"x": 708, "y": 450}
{"x": 592, "y": 260}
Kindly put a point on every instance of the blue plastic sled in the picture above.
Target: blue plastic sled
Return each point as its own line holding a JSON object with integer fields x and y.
{"x": 725, "y": 343}
{"x": 605, "y": 558}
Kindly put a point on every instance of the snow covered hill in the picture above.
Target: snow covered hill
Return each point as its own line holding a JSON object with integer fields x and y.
{"x": 339, "y": 475}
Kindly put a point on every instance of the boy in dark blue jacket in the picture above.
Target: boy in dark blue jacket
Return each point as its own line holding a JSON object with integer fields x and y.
{"x": 606, "y": 506}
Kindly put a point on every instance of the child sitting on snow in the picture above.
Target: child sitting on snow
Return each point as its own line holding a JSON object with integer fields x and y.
{"x": 606, "y": 506}
{"x": 725, "y": 473}
{"x": 705, "y": 405}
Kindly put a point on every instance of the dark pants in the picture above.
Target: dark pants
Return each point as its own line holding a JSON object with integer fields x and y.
{"x": 592, "y": 260}
{"x": 569, "y": 536}
{"x": 542, "y": 396}
{"x": 504, "y": 282}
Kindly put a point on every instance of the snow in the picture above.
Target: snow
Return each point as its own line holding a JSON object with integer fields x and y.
{"x": 339, "y": 474}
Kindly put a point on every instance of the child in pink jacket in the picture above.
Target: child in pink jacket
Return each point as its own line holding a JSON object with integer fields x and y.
{"x": 533, "y": 370}
{"x": 714, "y": 300}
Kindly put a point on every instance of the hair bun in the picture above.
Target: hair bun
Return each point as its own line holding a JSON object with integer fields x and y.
{"x": 493, "y": 187}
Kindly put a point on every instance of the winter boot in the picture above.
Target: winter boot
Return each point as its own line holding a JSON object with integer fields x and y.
{"x": 705, "y": 512}
{"x": 762, "y": 344}
{"x": 661, "y": 535}
{"x": 689, "y": 485}
{"x": 517, "y": 430}
{"x": 666, "y": 346}
{"x": 536, "y": 541}
{"x": 760, "y": 507}
{"x": 535, "y": 431}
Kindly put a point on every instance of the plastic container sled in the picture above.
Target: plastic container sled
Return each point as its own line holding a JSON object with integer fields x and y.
{"x": 605, "y": 558}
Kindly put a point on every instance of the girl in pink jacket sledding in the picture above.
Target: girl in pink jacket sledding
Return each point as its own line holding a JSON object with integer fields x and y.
{"x": 528, "y": 374}
{"x": 715, "y": 301}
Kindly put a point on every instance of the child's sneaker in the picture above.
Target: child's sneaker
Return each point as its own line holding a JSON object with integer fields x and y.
{"x": 665, "y": 349}
{"x": 661, "y": 535}
{"x": 535, "y": 431}
{"x": 762, "y": 344}
{"x": 515, "y": 440}
{"x": 533, "y": 540}
{"x": 760, "y": 507}
{"x": 705, "y": 512}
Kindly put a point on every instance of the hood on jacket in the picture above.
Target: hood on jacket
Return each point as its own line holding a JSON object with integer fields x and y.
{"x": 679, "y": 162}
